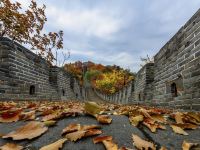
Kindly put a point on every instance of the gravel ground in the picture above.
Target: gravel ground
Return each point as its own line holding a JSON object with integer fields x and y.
{"x": 120, "y": 129}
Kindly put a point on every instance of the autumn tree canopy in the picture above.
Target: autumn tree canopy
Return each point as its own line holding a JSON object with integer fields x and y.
{"x": 26, "y": 26}
{"x": 106, "y": 79}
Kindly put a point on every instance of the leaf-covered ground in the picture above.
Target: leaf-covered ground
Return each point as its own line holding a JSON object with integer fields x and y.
{"x": 78, "y": 126}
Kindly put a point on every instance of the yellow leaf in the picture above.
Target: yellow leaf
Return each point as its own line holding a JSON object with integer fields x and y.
{"x": 135, "y": 120}
{"x": 110, "y": 145}
{"x": 178, "y": 130}
{"x": 142, "y": 144}
{"x": 11, "y": 146}
{"x": 92, "y": 108}
{"x": 55, "y": 146}
{"x": 104, "y": 119}
{"x": 187, "y": 146}
{"x": 49, "y": 123}
{"x": 74, "y": 136}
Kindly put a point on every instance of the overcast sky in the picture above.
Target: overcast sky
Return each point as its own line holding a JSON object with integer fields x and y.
{"x": 116, "y": 31}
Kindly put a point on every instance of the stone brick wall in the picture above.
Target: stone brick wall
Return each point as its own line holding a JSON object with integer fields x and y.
{"x": 24, "y": 75}
{"x": 121, "y": 97}
{"x": 174, "y": 78}
{"x": 177, "y": 67}
{"x": 143, "y": 85}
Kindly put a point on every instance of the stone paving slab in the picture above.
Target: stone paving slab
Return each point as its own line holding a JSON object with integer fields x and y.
{"x": 120, "y": 129}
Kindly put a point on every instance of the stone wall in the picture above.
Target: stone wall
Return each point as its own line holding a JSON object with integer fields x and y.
{"x": 177, "y": 68}
{"x": 174, "y": 79}
{"x": 24, "y": 75}
{"x": 121, "y": 97}
{"x": 143, "y": 85}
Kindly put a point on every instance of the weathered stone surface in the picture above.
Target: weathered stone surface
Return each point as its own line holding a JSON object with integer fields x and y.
{"x": 21, "y": 66}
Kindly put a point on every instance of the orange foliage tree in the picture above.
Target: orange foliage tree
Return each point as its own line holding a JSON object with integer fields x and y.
{"x": 107, "y": 79}
{"x": 25, "y": 26}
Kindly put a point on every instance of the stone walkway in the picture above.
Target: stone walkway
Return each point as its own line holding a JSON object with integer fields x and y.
{"x": 120, "y": 129}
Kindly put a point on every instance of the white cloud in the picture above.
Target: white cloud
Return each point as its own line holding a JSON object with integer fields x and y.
{"x": 92, "y": 22}
{"x": 79, "y": 52}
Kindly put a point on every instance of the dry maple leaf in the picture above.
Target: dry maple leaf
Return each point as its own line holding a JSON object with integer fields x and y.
{"x": 152, "y": 125}
{"x": 186, "y": 145}
{"x": 178, "y": 130}
{"x": 75, "y": 127}
{"x": 55, "y": 146}
{"x": 92, "y": 132}
{"x": 107, "y": 141}
{"x": 104, "y": 119}
{"x": 11, "y": 146}
{"x": 194, "y": 115}
{"x": 191, "y": 118}
{"x": 145, "y": 113}
{"x": 101, "y": 138}
{"x": 55, "y": 115}
{"x": 125, "y": 148}
{"x": 10, "y": 116}
{"x": 186, "y": 125}
{"x": 110, "y": 145}
{"x": 71, "y": 128}
{"x": 159, "y": 118}
{"x": 135, "y": 120}
{"x": 80, "y": 131}
{"x": 142, "y": 144}
{"x": 31, "y": 105}
{"x": 29, "y": 131}
{"x": 27, "y": 115}
{"x": 87, "y": 127}
{"x": 179, "y": 117}
{"x": 74, "y": 136}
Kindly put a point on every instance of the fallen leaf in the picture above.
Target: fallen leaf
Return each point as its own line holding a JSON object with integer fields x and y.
{"x": 110, "y": 145}
{"x": 159, "y": 118}
{"x": 186, "y": 126}
{"x": 92, "y": 132}
{"x": 92, "y": 108}
{"x": 55, "y": 115}
{"x": 104, "y": 119}
{"x": 135, "y": 120}
{"x": 102, "y": 138}
{"x": 27, "y": 115}
{"x": 194, "y": 115}
{"x": 87, "y": 127}
{"x": 125, "y": 148}
{"x": 178, "y": 130}
{"x": 55, "y": 146}
{"x": 50, "y": 123}
{"x": 29, "y": 131}
{"x": 10, "y": 116}
{"x": 145, "y": 113}
{"x": 179, "y": 117}
{"x": 71, "y": 128}
{"x": 75, "y": 127}
{"x": 163, "y": 148}
{"x": 186, "y": 145}
{"x": 142, "y": 144}
{"x": 191, "y": 118}
{"x": 74, "y": 136}
{"x": 11, "y": 146}
{"x": 107, "y": 141}
{"x": 1, "y": 134}
{"x": 152, "y": 125}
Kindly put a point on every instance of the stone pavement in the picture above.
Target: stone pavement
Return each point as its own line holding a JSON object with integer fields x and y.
{"x": 120, "y": 129}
